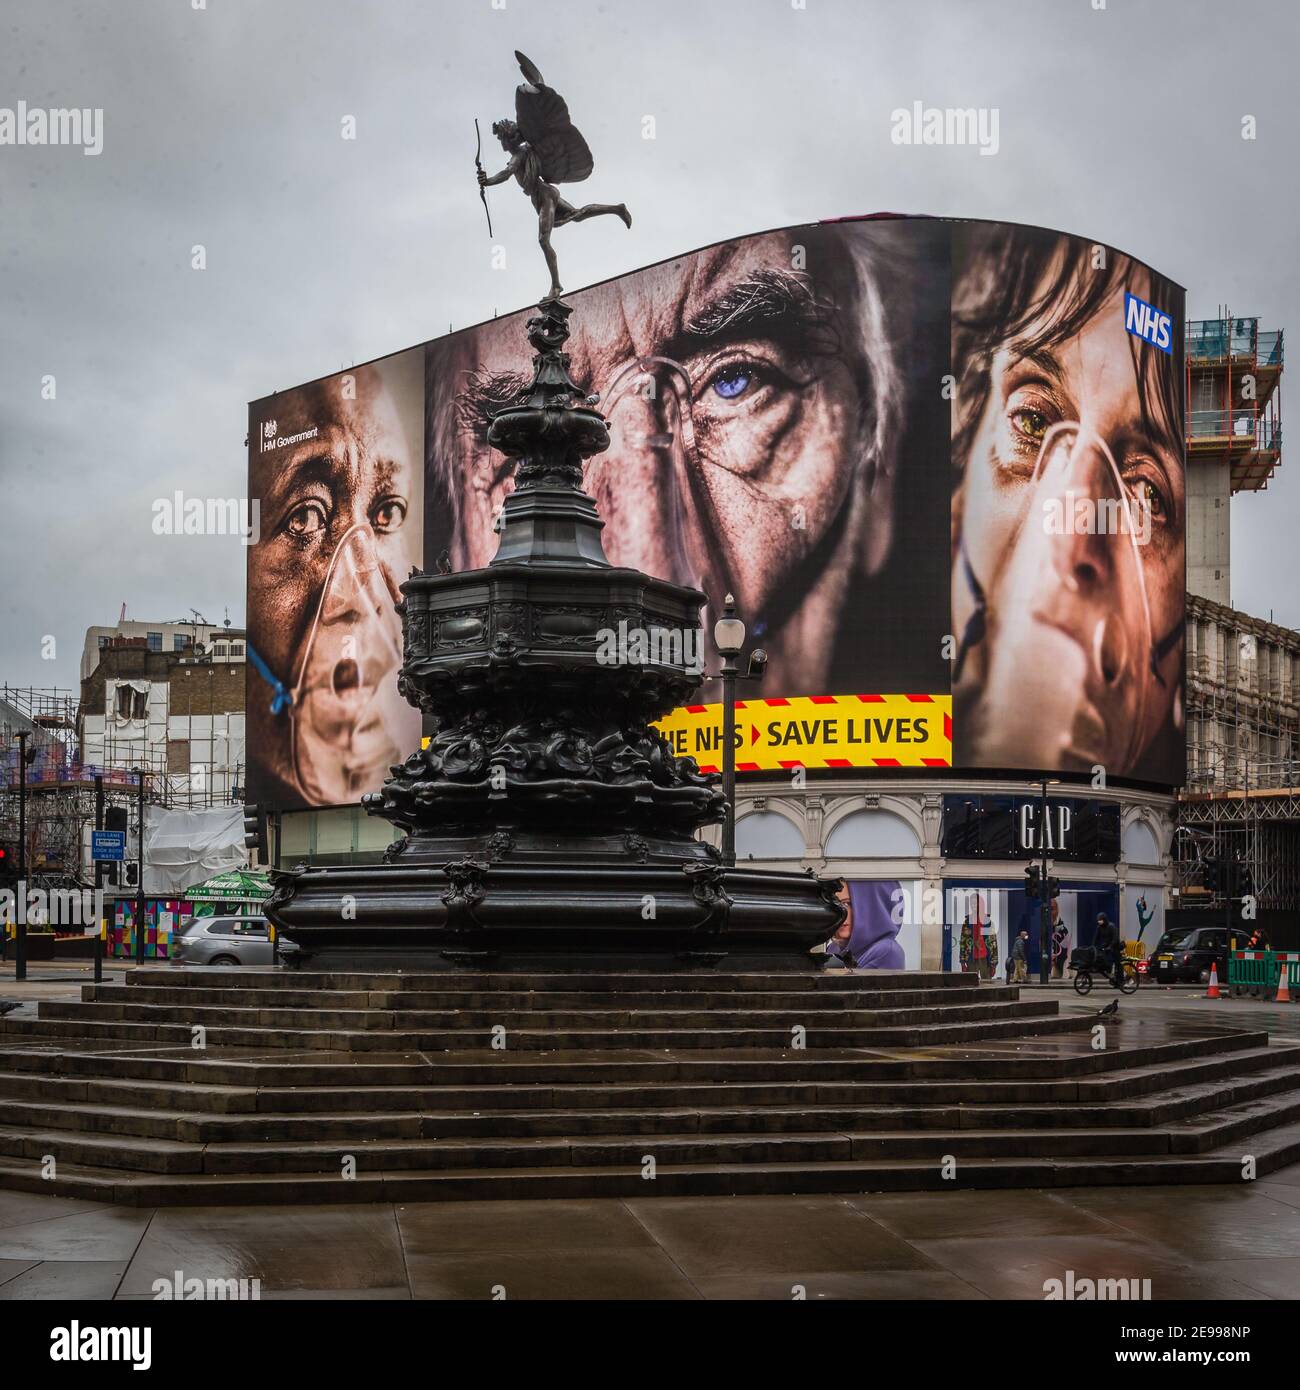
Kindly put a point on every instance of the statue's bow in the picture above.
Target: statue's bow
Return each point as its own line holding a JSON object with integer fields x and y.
{"x": 478, "y": 164}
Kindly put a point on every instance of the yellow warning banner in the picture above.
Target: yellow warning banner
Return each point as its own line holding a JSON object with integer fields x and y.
{"x": 819, "y": 731}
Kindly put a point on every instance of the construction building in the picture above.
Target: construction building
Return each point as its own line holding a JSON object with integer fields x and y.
{"x": 177, "y": 712}
{"x": 166, "y": 699}
{"x": 1241, "y": 804}
{"x": 60, "y": 793}
{"x": 174, "y": 636}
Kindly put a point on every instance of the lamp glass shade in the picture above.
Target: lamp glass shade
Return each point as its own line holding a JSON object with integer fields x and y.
{"x": 729, "y": 635}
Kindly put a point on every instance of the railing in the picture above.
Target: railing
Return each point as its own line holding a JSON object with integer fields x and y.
{"x": 1216, "y": 424}
{"x": 1258, "y": 972}
{"x": 1268, "y": 350}
{"x": 1215, "y": 340}
{"x": 1230, "y": 772}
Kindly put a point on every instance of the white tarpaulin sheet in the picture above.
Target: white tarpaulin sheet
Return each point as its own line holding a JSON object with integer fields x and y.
{"x": 182, "y": 848}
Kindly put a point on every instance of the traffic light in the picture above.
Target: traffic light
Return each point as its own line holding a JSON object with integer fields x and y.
{"x": 1053, "y": 888}
{"x": 1245, "y": 882}
{"x": 1212, "y": 876}
{"x": 1033, "y": 881}
{"x": 255, "y": 838}
{"x": 8, "y": 866}
{"x": 132, "y": 873}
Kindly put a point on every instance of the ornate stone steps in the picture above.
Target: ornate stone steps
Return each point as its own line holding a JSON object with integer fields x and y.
{"x": 891, "y": 1080}
{"x": 1016, "y": 1020}
{"x": 584, "y": 982}
{"x": 465, "y": 1022}
{"x": 545, "y": 1001}
{"x": 1270, "y": 1151}
{"x": 197, "y": 1127}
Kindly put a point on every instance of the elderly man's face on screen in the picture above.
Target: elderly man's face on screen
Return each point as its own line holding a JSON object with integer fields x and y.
{"x": 338, "y": 539}
{"x": 745, "y": 453}
{"x": 1068, "y": 536}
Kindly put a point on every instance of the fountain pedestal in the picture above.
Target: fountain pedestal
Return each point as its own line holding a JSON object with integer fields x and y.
{"x": 545, "y": 821}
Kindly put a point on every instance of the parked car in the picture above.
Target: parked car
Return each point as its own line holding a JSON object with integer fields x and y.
{"x": 224, "y": 941}
{"x": 1186, "y": 956}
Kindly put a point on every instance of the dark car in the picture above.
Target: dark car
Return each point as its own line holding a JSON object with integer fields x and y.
{"x": 1186, "y": 957}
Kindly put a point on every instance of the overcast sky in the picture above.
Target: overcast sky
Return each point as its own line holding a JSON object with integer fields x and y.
{"x": 222, "y": 128}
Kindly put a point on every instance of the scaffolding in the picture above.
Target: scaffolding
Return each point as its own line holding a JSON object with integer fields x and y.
{"x": 1225, "y": 416}
{"x": 1256, "y": 825}
{"x": 60, "y": 791}
{"x": 1241, "y": 802}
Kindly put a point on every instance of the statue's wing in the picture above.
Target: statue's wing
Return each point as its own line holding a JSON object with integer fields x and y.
{"x": 530, "y": 70}
{"x": 544, "y": 122}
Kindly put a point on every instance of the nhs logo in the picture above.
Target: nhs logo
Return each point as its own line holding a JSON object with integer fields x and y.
{"x": 1148, "y": 323}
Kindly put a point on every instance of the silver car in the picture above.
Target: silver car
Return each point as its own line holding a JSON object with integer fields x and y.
{"x": 224, "y": 941}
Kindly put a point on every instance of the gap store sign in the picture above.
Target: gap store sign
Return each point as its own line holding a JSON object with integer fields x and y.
{"x": 1073, "y": 829}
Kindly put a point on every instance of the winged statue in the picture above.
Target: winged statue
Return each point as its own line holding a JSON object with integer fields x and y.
{"x": 546, "y": 148}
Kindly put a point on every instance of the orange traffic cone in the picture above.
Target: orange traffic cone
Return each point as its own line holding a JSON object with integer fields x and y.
{"x": 1283, "y": 989}
{"x": 1213, "y": 991}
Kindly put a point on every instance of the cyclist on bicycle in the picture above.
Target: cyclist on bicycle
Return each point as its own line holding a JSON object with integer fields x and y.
{"x": 1106, "y": 945}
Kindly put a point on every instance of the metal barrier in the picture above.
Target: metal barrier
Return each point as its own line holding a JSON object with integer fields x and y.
{"x": 1258, "y": 972}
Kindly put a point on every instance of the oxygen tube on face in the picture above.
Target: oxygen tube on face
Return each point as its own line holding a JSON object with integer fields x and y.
{"x": 346, "y": 711}
{"x": 281, "y": 698}
{"x": 1088, "y": 545}
{"x": 346, "y": 714}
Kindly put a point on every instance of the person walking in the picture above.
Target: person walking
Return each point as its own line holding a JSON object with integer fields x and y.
{"x": 1019, "y": 974}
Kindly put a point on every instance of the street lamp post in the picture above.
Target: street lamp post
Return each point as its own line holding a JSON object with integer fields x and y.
{"x": 20, "y": 916}
{"x": 1045, "y": 912}
{"x": 139, "y": 876}
{"x": 729, "y": 639}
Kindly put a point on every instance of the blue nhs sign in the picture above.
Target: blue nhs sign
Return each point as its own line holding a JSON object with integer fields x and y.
{"x": 1148, "y": 323}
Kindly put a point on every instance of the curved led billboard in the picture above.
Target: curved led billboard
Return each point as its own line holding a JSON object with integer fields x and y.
{"x": 939, "y": 464}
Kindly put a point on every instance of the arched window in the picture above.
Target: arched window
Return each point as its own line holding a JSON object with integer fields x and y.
{"x": 767, "y": 835}
{"x": 872, "y": 835}
{"x": 1140, "y": 844}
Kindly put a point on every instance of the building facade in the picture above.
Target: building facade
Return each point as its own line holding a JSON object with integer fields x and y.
{"x": 945, "y": 852}
{"x": 178, "y": 714}
{"x": 948, "y": 855}
{"x": 216, "y": 640}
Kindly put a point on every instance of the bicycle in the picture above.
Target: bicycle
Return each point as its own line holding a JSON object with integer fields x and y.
{"x": 1083, "y": 962}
